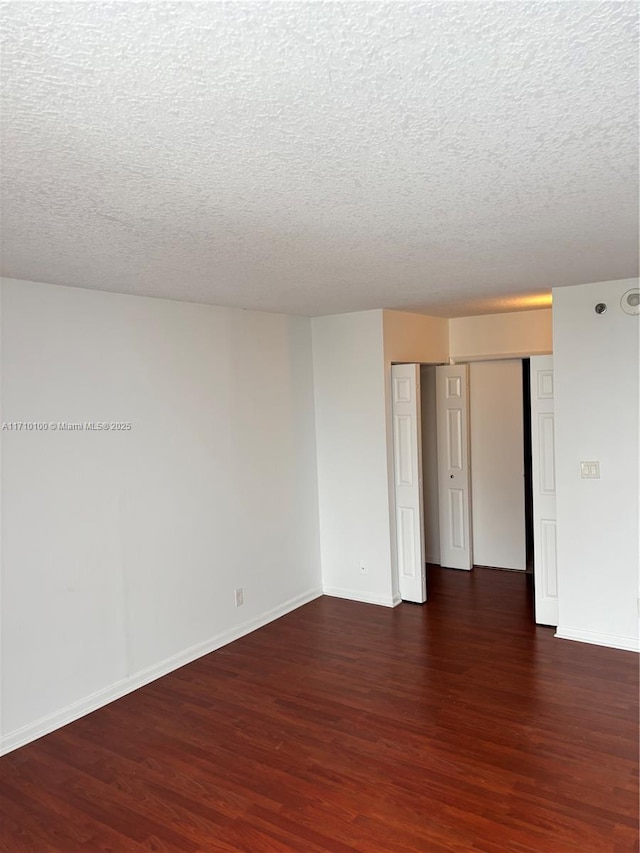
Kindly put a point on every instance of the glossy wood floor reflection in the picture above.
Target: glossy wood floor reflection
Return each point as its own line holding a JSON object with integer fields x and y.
{"x": 458, "y": 726}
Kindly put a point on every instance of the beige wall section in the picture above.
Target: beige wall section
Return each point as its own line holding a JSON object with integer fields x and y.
{"x": 415, "y": 338}
{"x": 512, "y": 335}
{"x": 497, "y": 464}
{"x": 422, "y": 338}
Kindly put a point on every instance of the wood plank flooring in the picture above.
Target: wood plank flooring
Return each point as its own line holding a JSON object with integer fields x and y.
{"x": 457, "y": 726}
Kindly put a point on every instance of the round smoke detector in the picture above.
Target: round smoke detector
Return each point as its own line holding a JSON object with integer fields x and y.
{"x": 630, "y": 301}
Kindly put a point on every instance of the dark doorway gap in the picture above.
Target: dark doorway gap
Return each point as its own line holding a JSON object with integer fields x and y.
{"x": 528, "y": 480}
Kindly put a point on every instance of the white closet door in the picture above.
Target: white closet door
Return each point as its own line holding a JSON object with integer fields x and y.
{"x": 452, "y": 403}
{"x": 407, "y": 459}
{"x": 543, "y": 473}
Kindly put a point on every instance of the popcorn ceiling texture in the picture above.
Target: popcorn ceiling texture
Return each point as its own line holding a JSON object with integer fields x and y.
{"x": 323, "y": 157}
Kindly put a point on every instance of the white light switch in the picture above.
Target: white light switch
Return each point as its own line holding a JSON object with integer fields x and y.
{"x": 590, "y": 470}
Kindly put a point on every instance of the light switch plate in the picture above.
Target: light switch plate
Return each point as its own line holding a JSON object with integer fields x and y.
{"x": 590, "y": 470}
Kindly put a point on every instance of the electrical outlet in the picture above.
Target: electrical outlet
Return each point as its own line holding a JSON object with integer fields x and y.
{"x": 239, "y": 596}
{"x": 363, "y": 568}
{"x": 590, "y": 470}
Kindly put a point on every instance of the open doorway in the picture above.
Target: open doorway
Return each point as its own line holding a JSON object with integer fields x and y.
{"x": 500, "y": 432}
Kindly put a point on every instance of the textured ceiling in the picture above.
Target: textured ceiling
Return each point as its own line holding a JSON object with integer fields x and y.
{"x": 321, "y": 157}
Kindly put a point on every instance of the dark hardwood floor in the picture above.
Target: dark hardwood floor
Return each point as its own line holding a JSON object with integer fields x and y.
{"x": 457, "y": 726}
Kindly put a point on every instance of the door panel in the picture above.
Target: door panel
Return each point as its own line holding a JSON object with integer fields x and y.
{"x": 452, "y": 393}
{"x": 404, "y": 457}
{"x": 545, "y": 568}
{"x": 456, "y": 516}
{"x": 454, "y": 439}
{"x": 407, "y": 450}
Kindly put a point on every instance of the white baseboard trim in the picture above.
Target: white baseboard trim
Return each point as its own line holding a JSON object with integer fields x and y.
{"x": 612, "y": 641}
{"x": 364, "y": 597}
{"x": 45, "y": 725}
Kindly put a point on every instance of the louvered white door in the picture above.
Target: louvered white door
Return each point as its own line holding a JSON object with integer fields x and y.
{"x": 543, "y": 475}
{"x": 407, "y": 463}
{"x": 454, "y": 490}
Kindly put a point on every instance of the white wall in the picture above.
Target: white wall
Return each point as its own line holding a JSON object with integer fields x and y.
{"x": 430, "y": 464}
{"x": 497, "y": 464}
{"x": 596, "y": 397}
{"x": 511, "y": 335}
{"x": 121, "y": 550}
{"x": 351, "y": 439}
